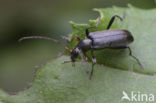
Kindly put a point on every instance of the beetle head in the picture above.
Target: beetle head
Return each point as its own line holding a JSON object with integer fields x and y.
{"x": 74, "y": 54}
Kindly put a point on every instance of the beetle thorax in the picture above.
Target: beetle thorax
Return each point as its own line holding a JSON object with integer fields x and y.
{"x": 85, "y": 44}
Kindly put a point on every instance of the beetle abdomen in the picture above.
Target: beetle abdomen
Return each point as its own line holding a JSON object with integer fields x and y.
{"x": 110, "y": 39}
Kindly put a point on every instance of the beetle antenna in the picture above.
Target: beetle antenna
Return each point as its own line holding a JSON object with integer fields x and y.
{"x": 37, "y": 37}
{"x": 44, "y": 37}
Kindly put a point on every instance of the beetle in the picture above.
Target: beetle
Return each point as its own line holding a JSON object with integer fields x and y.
{"x": 111, "y": 39}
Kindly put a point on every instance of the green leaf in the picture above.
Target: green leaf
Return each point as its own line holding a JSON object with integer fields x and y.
{"x": 61, "y": 83}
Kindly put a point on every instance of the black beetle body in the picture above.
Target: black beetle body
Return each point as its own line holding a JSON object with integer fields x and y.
{"x": 111, "y": 39}
{"x": 106, "y": 39}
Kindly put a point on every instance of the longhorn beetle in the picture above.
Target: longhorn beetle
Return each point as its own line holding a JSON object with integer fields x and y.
{"x": 111, "y": 39}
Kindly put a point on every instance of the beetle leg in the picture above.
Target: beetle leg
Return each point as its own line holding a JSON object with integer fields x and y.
{"x": 85, "y": 56}
{"x": 93, "y": 63}
{"x": 112, "y": 20}
{"x": 87, "y": 29}
{"x": 83, "y": 62}
{"x": 70, "y": 40}
{"x": 130, "y": 53}
{"x": 76, "y": 37}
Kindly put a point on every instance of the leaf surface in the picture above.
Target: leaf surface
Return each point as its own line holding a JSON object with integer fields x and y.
{"x": 113, "y": 75}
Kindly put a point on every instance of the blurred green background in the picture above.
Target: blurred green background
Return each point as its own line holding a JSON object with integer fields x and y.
{"x": 43, "y": 17}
